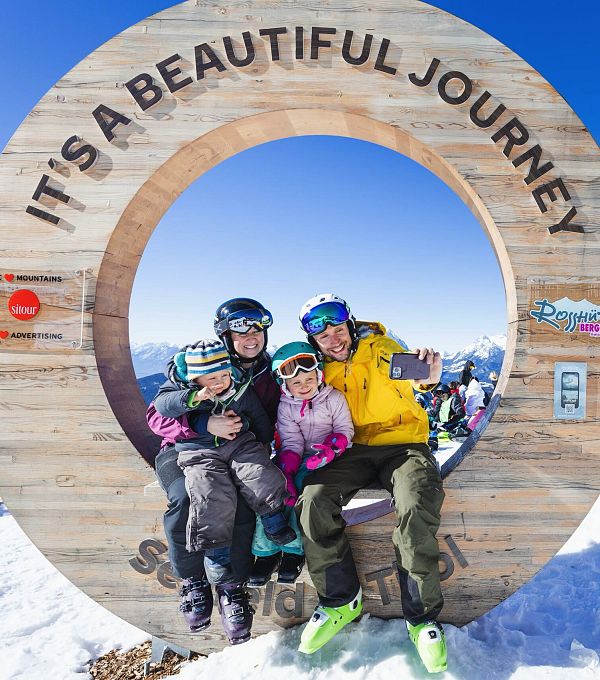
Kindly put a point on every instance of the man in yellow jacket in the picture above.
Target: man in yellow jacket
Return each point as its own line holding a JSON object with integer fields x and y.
{"x": 389, "y": 446}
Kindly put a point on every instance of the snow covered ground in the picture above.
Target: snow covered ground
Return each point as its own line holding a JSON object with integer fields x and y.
{"x": 48, "y": 628}
{"x": 550, "y": 629}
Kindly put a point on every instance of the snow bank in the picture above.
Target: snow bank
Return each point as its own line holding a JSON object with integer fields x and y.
{"x": 48, "y": 628}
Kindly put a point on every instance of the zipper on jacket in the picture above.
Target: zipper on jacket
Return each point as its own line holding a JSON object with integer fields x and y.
{"x": 311, "y": 422}
{"x": 302, "y": 408}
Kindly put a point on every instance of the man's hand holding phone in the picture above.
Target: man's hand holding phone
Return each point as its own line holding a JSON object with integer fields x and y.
{"x": 423, "y": 366}
{"x": 434, "y": 359}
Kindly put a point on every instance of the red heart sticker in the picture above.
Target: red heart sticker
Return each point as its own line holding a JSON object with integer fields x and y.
{"x": 9, "y": 277}
{"x": 3, "y": 335}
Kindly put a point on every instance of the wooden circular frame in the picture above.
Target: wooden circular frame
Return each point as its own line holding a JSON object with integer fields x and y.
{"x": 70, "y": 473}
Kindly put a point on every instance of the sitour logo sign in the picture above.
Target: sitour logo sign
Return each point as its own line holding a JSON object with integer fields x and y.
{"x": 568, "y": 315}
{"x": 24, "y": 305}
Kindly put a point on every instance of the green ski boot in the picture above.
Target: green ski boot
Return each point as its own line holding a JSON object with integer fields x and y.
{"x": 429, "y": 639}
{"x": 327, "y": 622}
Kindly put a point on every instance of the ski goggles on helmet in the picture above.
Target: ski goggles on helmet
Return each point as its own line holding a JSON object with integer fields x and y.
{"x": 291, "y": 367}
{"x": 243, "y": 320}
{"x": 327, "y": 314}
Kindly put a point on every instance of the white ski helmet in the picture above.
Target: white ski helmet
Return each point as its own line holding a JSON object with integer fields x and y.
{"x": 326, "y": 309}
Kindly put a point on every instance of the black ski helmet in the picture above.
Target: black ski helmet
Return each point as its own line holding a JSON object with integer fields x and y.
{"x": 232, "y": 308}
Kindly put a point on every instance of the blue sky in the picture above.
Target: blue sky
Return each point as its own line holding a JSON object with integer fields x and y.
{"x": 376, "y": 220}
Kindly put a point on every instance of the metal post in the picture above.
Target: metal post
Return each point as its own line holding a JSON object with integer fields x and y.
{"x": 160, "y": 648}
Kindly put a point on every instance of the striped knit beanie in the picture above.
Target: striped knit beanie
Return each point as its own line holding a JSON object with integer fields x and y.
{"x": 206, "y": 357}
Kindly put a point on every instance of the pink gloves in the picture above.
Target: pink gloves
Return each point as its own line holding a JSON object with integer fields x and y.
{"x": 289, "y": 463}
{"x": 334, "y": 445}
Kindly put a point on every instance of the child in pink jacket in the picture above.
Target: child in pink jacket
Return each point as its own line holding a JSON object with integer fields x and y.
{"x": 315, "y": 427}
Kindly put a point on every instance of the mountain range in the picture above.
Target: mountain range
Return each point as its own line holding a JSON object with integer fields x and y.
{"x": 151, "y": 357}
{"x": 487, "y": 353}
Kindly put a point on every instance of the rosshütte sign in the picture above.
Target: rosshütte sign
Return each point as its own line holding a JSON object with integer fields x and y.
{"x": 88, "y": 176}
{"x": 454, "y": 87}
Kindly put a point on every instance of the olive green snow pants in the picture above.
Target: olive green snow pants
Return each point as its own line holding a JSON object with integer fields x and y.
{"x": 410, "y": 474}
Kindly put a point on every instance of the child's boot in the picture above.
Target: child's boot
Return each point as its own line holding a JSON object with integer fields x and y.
{"x": 236, "y": 612}
{"x": 327, "y": 622}
{"x": 290, "y": 568}
{"x": 263, "y": 569}
{"x": 277, "y": 528}
{"x": 196, "y": 602}
{"x": 430, "y": 641}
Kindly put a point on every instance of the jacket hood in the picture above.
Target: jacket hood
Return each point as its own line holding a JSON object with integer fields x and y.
{"x": 176, "y": 368}
{"x": 369, "y": 328}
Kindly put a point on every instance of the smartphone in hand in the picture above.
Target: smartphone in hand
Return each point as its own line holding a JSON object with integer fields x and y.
{"x": 408, "y": 366}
